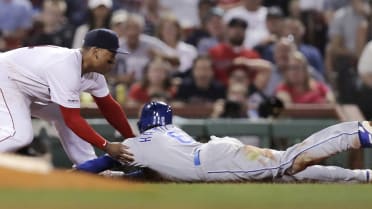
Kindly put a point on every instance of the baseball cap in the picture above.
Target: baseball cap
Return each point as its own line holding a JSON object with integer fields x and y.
{"x": 119, "y": 16}
{"x": 214, "y": 11}
{"x": 237, "y": 22}
{"x": 275, "y": 12}
{"x": 104, "y": 39}
{"x": 92, "y": 4}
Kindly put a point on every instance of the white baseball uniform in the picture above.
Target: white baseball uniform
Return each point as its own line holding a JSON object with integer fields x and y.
{"x": 177, "y": 156}
{"x": 77, "y": 149}
{"x": 33, "y": 77}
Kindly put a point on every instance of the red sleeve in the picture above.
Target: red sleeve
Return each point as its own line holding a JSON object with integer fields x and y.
{"x": 81, "y": 128}
{"x": 250, "y": 54}
{"x": 281, "y": 87}
{"x": 215, "y": 52}
{"x": 114, "y": 115}
{"x": 323, "y": 88}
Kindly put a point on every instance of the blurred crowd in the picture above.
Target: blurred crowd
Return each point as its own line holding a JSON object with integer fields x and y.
{"x": 243, "y": 57}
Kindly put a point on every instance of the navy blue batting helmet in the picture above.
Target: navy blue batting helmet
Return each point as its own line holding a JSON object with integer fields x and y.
{"x": 154, "y": 114}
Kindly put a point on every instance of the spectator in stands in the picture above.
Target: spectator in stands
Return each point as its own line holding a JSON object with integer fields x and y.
{"x": 347, "y": 34}
{"x": 152, "y": 11}
{"x": 200, "y": 87}
{"x": 76, "y": 12}
{"x": 281, "y": 50}
{"x": 239, "y": 74}
{"x": 346, "y": 30}
{"x": 130, "y": 68}
{"x": 364, "y": 91}
{"x": 99, "y": 16}
{"x": 282, "y": 4}
{"x": 294, "y": 9}
{"x": 37, "y": 5}
{"x": 205, "y": 7}
{"x": 228, "y": 4}
{"x": 185, "y": 11}
{"x": 211, "y": 32}
{"x": 331, "y": 6}
{"x": 55, "y": 28}
{"x": 235, "y": 105}
{"x": 299, "y": 87}
{"x": 223, "y": 54}
{"x": 132, "y": 6}
{"x": 306, "y": 5}
{"x": 15, "y": 21}
{"x": 117, "y": 23}
{"x": 295, "y": 28}
{"x": 258, "y": 72}
{"x": 114, "y": 79}
{"x": 281, "y": 53}
{"x": 314, "y": 21}
{"x": 254, "y": 14}
{"x": 156, "y": 82}
{"x": 256, "y": 85}
{"x": 170, "y": 32}
{"x": 274, "y": 24}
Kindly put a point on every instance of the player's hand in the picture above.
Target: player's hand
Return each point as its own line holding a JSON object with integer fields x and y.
{"x": 119, "y": 152}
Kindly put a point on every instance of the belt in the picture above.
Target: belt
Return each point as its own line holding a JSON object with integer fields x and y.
{"x": 197, "y": 157}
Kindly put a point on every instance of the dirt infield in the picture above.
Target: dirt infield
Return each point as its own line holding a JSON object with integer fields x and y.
{"x": 60, "y": 179}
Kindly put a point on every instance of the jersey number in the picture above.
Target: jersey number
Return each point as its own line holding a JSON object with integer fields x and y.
{"x": 183, "y": 139}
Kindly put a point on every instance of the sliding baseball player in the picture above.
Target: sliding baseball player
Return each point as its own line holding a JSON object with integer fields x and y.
{"x": 176, "y": 156}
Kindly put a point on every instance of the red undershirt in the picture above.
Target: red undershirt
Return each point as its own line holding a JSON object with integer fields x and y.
{"x": 110, "y": 109}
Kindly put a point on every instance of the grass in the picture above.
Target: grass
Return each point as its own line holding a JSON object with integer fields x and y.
{"x": 216, "y": 196}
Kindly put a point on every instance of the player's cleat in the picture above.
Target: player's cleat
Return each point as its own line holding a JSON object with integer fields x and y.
{"x": 368, "y": 176}
{"x": 112, "y": 174}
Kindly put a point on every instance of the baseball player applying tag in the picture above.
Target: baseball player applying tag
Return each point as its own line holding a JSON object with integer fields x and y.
{"x": 55, "y": 76}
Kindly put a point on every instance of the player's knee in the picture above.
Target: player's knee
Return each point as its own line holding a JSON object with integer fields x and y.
{"x": 22, "y": 138}
{"x": 16, "y": 141}
{"x": 6, "y": 133}
{"x": 300, "y": 163}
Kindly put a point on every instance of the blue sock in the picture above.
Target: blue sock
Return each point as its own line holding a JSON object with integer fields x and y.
{"x": 98, "y": 165}
{"x": 365, "y": 137}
